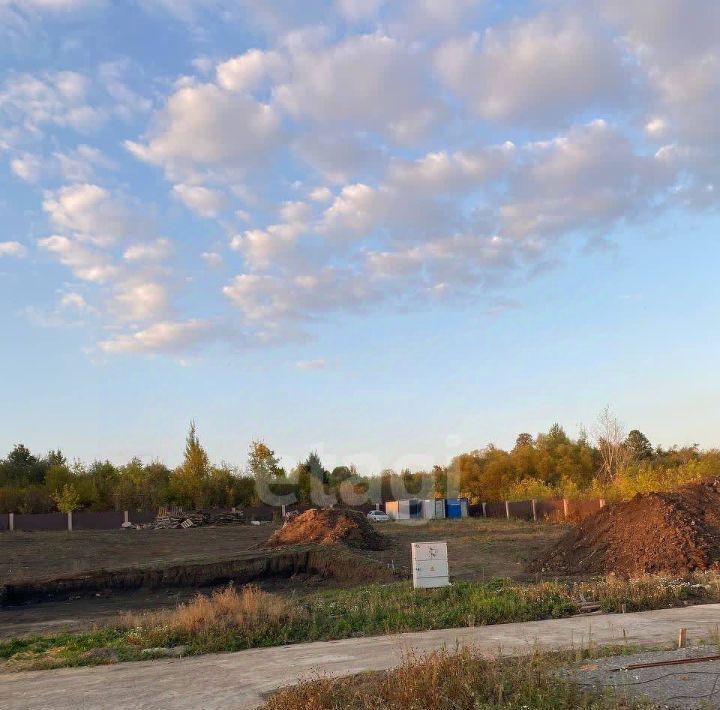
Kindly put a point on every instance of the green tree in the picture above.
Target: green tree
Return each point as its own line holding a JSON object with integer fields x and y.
{"x": 103, "y": 479}
{"x": 523, "y": 440}
{"x": 639, "y": 446}
{"x": 189, "y": 482}
{"x": 56, "y": 478}
{"x": 22, "y": 467}
{"x": 68, "y": 499}
{"x": 262, "y": 462}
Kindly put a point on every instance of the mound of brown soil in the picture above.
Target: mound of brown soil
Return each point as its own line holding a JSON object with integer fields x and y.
{"x": 330, "y": 526}
{"x": 670, "y": 533}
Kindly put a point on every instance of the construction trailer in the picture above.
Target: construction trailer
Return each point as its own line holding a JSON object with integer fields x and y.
{"x": 433, "y": 508}
{"x": 430, "y": 509}
{"x": 456, "y": 508}
{"x": 398, "y": 509}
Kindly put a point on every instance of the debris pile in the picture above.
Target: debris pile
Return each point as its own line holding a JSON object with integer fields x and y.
{"x": 172, "y": 521}
{"x": 670, "y": 533}
{"x": 328, "y": 526}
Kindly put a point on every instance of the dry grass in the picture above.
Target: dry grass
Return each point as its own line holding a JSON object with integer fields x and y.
{"x": 213, "y": 621}
{"x": 233, "y": 619}
{"x": 443, "y": 680}
{"x": 224, "y": 608}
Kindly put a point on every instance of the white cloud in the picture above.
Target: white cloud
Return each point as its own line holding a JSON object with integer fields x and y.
{"x": 128, "y": 103}
{"x": 677, "y": 45}
{"x": 355, "y": 10}
{"x": 74, "y": 301}
{"x": 90, "y": 212}
{"x": 204, "y": 125}
{"x": 535, "y": 71}
{"x": 354, "y": 209}
{"x": 80, "y": 163}
{"x": 262, "y": 247}
{"x": 212, "y": 259}
{"x": 321, "y": 194}
{"x": 55, "y": 5}
{"x": 161, "y": 337}
{"x": 268, "y": 302}
{"x": 201, "y": 200}
{"x": 148, "y": 251}
{"x": 248, "y": 71}
{"x": 293, "y": 151}
{"x": 51, "y": 98}
{"x": 140, "y": 301}
{"x": 318, "y": 364}
{"x": 441, "y": 172}
{"x": 587, "y": 178}
{"x": 28, "y": 167}
{"x": 14, "y": 249}
{"x": 371, "y": 81}
{"x": 87, "y": 264}
{"x": 340, "y": 156}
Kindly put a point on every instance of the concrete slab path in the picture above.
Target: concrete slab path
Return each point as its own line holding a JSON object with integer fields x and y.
{"x": 239, "y": 680}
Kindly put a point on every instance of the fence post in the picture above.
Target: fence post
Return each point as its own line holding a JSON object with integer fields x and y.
{"x": 534, "y": 509}
{"x": 602, "y": 502}
{"x": 565, "y": 507}
{"x": 507, "y": 510}
{"x": 484, "y": 509}
{"x": 11, "y": 521}
{"x": 69, "y": 521}
{"x": 127, "y": 517}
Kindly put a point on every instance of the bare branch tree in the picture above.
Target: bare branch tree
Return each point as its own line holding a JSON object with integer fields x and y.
{"x": 610, "y": 435}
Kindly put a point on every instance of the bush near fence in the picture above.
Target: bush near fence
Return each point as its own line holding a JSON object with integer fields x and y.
{"x": 552, "y": 509}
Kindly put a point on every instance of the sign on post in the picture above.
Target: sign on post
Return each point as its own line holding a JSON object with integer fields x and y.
{"x": 430, "y": 565}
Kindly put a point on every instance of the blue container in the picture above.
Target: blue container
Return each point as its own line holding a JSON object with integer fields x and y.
{"x": 453, "y": 508}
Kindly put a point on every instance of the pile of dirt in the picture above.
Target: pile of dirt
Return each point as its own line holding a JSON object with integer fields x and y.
{"x": 328, "y": 526}
{"x": 656, "y": 533}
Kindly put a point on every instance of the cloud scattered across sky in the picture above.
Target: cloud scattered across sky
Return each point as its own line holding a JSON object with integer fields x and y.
{"x": 365, "y": 155}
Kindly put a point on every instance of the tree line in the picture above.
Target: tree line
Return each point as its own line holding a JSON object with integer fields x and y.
{"x": 604, "y": 463}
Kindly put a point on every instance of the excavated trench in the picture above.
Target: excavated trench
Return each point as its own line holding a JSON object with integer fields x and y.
{"x": 323, "y": 562}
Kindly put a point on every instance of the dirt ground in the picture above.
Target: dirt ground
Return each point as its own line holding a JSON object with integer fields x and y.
{"x": 30, "y": 556}
{"x": 478, "y": 549}
{"x": 673, "y": 533}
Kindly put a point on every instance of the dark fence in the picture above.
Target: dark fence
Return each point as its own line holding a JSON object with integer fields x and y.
{"x": 141, "y": 516}
{"x": 40, "y": 521}
{"x": 521, "y": 509}
{"x": 98, "y": 521}
{"x": 579, "y": 509}
{"x": 549, "y": 509}
{"x": 543, "y": 509}
{"x": 495, "y": 509}
{"x": 112, "y": 520}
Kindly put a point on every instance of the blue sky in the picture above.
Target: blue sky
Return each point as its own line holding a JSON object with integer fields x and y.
{"x": 389, "y": 230}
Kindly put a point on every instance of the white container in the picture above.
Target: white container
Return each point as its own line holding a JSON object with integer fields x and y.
{"x": 430, "y": 565}
{"x": 398, "y": 509}
{"x": 433, "y": 508}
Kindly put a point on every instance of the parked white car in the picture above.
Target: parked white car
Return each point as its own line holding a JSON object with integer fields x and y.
{"x": 377, "y": 516}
